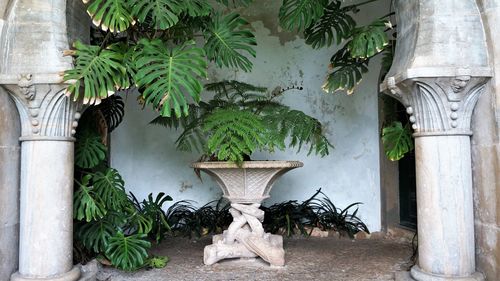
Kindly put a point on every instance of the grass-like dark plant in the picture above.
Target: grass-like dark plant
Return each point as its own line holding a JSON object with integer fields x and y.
{"x": 187, "y": 220}
{"x": 344, "y": 221}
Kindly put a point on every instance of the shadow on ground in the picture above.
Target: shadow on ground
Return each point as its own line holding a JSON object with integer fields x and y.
{"x": 306, "y": 259}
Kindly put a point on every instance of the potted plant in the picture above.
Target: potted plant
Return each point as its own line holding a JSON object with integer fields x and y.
{"x": 240, "y": 119}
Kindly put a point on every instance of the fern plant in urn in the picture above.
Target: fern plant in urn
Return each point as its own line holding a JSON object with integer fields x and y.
{"x": 241, "y": 119}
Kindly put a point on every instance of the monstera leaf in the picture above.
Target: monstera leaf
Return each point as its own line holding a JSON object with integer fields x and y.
{"x": 87, "y": 205}
{"x": 128, "y": 252}
{"x": 369, "y": 40}
{"x": 334, "y": 26}
{"x": 110, "y": 14}
{"x": 167, "y": 75}
{"x": 113, "y": 110}
{"x": 346, "y": 72}
{"x": 228, "y": 42}
{"x": 300, "y": 14}
{"x": 95, "y": 234}
{"x": 89, "y": 150}
{"x": 197, "y": 8}
{"x": 109, "y": 186}
{"x": 99, "y": 71}
{"x": 397, "y": 140}
{"x": 164, "y": 13}
{"x": 235, "y": 3}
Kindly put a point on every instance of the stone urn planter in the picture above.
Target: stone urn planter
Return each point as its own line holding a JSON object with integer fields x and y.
{"x": 246, "y": 187}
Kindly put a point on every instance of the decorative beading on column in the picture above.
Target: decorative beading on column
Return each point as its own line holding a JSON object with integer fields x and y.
{"x": 46, "y": 112}
{"x": 439, "y": 105}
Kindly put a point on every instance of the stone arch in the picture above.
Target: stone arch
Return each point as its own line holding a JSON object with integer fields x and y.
{"x": 10, "y": 131}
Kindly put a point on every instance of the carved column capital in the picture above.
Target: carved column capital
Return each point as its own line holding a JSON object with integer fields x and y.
{"x": 439, "y": 105}
{"x": 46, "y": 112}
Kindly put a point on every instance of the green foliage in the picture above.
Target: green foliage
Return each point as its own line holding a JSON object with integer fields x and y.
{"x": 331, "y": 217}
{"x": 369, "y": 40}
{"x": 158, "y": 262}
{"x": 113, "y": 110}
{"x": 334, "y": 26}
{"x": 89, "y": 150}
{"x": 346, "y": 73}
{"x": 87, "y": 205}
{"x": 233, "y": 133}
{"x": 397, "y": 140}
{"x": 235, "y": 3}
{"x": 128, "y": 252}
{"x": 187, "y": 220}
{"x": 228, "y": 42}
{"x": 95, "y": 235}
{"x": 167, "y": 74}
{"x": 162, "y": 13}
{"x": 291, "y": 216}
{"x": 152, "y": 208}
{"x": 110, "y": 187}
{"x": 300, "y": 14}
{"x": 242, "y": 118}
{"x": 99, "y": 71}
{"x": 110, "y": 14}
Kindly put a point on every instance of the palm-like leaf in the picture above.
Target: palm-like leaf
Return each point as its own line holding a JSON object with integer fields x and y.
{"x": 164, "y": 13}
{"x": 300, "y": 14}
{"x": 87, "y": 205}
{"x": 109, "y": 186}
{"x": 369, "y": 40}
{"x": 334, "y": 26}
{"x": 110, "y": 14}
{"x": 89, "y": 150}
{"x": 397, "y": 140}
{"x": 168, "y": 74}
{"x": 228, "y": 42}
{"x": 128, "y": 252}
{"x": 346, "y": 72}
{"x": 99, "y": 71}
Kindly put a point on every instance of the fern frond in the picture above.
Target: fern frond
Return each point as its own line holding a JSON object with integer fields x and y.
{"x": 233, "y": 133}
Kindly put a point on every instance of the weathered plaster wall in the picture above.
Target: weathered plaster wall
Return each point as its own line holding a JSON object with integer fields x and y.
{"x": 146, "y": 156}
{"x": 486, "y": 153}
{"x": 10, "y": 130}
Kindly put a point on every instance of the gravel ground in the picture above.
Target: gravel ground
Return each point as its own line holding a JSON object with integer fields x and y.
{"x": 306, "y": 259}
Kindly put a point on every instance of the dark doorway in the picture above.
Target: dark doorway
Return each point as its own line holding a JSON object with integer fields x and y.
{"x": 407, "y": 191}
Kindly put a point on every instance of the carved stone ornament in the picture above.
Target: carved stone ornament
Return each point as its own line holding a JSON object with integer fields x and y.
{"x": 45, "y": 111}
{"x": 246, "y": 187}
{"x": 439, "y": 105}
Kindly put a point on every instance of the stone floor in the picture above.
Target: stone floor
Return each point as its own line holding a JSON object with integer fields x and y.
{"x": 307, "y": 259}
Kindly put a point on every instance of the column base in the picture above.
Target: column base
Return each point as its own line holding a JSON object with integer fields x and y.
{"x": 71, "y": 275}
{"x": 419, "y": 275}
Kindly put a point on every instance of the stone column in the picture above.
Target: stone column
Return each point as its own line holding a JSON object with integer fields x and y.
{"x": 10, "y": 130}
{"x": 440, "y": 110}
{"x": 48, "y": 119}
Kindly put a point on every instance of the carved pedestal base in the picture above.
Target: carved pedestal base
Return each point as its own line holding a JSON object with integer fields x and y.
{"x": 245, "y": 238}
